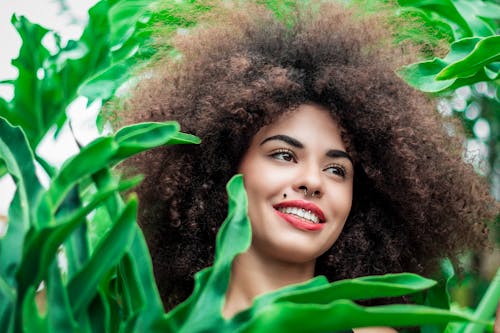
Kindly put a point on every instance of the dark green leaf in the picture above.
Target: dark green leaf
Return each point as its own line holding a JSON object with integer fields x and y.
{"x": 59, "y": 316}
{"x": 82, "y": 288}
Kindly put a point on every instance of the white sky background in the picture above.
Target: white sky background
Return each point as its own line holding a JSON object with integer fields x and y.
{"x": 68, "y": 24}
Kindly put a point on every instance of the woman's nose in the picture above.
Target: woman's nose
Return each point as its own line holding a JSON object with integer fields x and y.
{"x": 307, "y": 192}
{"x": 309, "y": 182}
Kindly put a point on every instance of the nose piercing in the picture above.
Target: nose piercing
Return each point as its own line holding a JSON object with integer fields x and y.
{"x": 305, "y": 191}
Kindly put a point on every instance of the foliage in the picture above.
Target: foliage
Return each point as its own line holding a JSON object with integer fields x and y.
{"x": 108, "y": 284}
{"x": 475, "y": 50}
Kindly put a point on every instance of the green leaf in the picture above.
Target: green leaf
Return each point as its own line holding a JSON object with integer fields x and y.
{"x": 59, "y": 316}
{"x": 369, "y": 287}
{"x": 123, "y": 15}
{"x": 486, "y": 51}
{"x": 92, "y": 158}
{"x": 27, "y": 103}
{"x": 424, "y": 75}
{"x": 32, "y": 321}
{"x": 41, "y": 247}
{"x": 341, "y": 315}
{"x": 103, "y": 85}
{"x": 18, "y": 160}
{"x": 99, "y": 313}
{"x": 7, "y": 305}
{"x": 139, "y": 287}
{"x": 487, "y": 306}
{"x": 137, "y": 138}
{"x": 83, "y": 286}
{"x": 211, "y": 284}
{"x": 465, "y": 17}
{"x": 76, "y": 247}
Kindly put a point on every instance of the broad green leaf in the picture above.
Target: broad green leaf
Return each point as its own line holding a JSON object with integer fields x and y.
{"x": 211, "y": 284}
{"x": 341, "y": 315}
{"x": 465, "y": 17}
{"x": 122, "y": 14}
{"x": 103, "y": 85}
{"x": 486, "y": 51}
{"x": 27, "y": 104}
{"x": 423, "y": 75}
{"x": 91, "y": 159}
{"x": 474, "y": 12}
{"x": 18, "y": 160}
{"x": 369, "y": 287}
{"x": 137, "y": 138}
{"x": 82, "y": 288}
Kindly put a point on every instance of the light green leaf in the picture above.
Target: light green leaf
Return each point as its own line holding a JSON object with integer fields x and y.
{"x": 424, "y": 75}
{"x": 486, "y": 51}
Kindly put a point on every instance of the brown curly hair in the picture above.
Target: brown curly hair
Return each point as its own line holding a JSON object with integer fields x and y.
{"x": 415, "y": 200}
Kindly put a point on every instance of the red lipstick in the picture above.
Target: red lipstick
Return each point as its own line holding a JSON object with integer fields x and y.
{"x": 297, "y": 221}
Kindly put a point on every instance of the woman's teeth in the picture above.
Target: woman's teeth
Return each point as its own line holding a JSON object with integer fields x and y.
{"x": 300, "y": 212}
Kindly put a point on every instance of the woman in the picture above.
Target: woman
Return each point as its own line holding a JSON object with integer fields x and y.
{"x": 315, "y": 119}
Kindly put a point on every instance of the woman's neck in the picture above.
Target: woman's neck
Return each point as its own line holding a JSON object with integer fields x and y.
{"x": 253, "y": 274}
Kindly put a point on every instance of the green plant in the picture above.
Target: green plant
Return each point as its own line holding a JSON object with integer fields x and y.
{"x": 475, "y": 49}
{"x": 108, "y": 285}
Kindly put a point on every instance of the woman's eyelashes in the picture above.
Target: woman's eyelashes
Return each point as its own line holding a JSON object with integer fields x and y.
{"x": 284, "y": 155}
{"x": 336, "y": 169}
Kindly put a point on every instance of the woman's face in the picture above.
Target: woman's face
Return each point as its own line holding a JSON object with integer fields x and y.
{"x": 299, "y": 181}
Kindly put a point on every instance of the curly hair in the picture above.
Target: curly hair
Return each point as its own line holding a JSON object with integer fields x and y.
{"x": 415, "y": 200}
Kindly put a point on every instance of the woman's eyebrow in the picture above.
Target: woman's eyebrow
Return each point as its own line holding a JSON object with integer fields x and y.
{"x": 288, "y": 139}
{"x": 334, "y": 153}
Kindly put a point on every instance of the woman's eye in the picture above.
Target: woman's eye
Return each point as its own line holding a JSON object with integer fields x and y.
{"x": 283, "y": 155}
{"x": 336, "y": 170}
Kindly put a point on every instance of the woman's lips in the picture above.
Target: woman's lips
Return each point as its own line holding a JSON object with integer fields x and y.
{"x": 314, "y": 223}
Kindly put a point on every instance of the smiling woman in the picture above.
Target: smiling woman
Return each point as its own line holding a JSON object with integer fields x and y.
{"x": 299, "y": 178}
{"x": 349, "y": 172}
